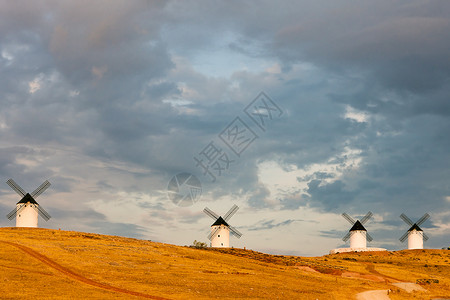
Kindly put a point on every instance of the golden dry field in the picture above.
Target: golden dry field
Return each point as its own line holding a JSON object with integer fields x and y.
{"x": 53, "y": 264}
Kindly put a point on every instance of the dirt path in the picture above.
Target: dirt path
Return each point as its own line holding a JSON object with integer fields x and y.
{"x": 373, "y": 295}
{"x": 409, "y": 287}
{"x": 371, "y": 268}
{"x": 51, "y": 263}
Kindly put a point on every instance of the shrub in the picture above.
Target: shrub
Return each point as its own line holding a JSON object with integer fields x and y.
{"x": 199, "y": 245}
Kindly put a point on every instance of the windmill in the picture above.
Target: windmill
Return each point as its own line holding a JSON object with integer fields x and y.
{"x": 415, "y": 234}
{"x": 27, "y": 209}
{"x": 220, "y": 229}
{"x": 357, "y": 234}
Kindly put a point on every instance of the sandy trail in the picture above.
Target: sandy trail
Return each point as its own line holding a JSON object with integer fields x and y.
{"x": 69, "y": 273}
{"x": 382, "y": 294}
{"x": 373, "y": 295}
{"x": 409, "y": 286}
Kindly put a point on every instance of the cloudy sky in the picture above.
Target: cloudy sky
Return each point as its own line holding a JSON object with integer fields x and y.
{"x": 109, "y": 100}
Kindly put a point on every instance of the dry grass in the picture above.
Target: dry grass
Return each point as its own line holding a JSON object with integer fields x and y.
{"x": 175, "y": 272}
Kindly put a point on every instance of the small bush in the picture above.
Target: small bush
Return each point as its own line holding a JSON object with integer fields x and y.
{"x": 199, "y": 245}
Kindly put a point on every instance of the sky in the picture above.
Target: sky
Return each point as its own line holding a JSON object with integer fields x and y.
{"x": 296, "y": 111}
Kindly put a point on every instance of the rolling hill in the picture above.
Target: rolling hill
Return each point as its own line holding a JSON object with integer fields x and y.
{"x": 53, "y": 264}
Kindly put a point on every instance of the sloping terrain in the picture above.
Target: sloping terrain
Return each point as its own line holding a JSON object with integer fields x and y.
{"x": 45, "y": 264}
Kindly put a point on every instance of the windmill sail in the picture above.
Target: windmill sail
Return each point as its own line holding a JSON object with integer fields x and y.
{"x": 235, "y": 232}
{"x": 231, "y": 212}
{"x": 213, "y": 233}
{"x": 40, "y": 189}
{"x": 366, "y": 217}
{"x": 210, "y": 213}
{"x": 346, "y": 237}
{"x": 42, "y": 212}
{"x": 348, "y": 218}
{"x": 406, "y": 219}
{"x": 14, "y": 212}
{"x": 404, "y": 236}
{"x": 423, "y": 219}
{"x": 16, "y": 187}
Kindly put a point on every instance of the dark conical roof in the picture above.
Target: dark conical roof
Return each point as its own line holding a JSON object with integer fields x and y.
{"x": 357, "y": 226}
{"x": 415, "y": 227}
{"x": 220, "y": 221}
{"x": 27, "y": 198}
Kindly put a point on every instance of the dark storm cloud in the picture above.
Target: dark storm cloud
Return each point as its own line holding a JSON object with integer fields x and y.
{"x": 104, "y": 60}
{"x": 331, "y": 195}
{"x": 404, "y": 45}
{"x": 8, "y": 162}
{"x": 259, "y": 197}
{"x": 11, "y": 166}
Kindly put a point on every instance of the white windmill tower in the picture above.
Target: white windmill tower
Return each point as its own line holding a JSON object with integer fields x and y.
{"x": 358, "y": 234}
{"x": 415, "y": 234}
{"x": 220, "y": 229}
{"x": 27, "y": 209}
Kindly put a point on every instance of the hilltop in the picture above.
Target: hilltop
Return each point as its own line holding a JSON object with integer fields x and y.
{"x": 52, "y": 264}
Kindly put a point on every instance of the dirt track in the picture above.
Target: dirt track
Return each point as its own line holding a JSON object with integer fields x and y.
{"x": 373, "y": 295}
{"x": 54, "y": 265}
{"x": 371, "y": 268}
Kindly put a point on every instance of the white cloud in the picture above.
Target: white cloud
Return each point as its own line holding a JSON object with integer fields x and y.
{"x": 355, "y": 115}
{"x": 7, "y": 56}
{"x": 35, "y": 84}
{"x": 283, "y": 180}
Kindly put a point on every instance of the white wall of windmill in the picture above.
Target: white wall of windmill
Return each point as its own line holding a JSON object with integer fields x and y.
{"x": 27, "y": 217}
{"x": 358, "y": 239}
{"x": 221, "y": 238}
{"x": 415, "y": 239}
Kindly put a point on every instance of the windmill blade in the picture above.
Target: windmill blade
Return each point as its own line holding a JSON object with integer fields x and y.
{"x": 231, "y": 212}
{"x": 14, "y": 212}
{"x": 213, "y": 233}
{"x": 16, "y": 187}
{"x": 369, "y": 237}
{"x": 406, "y": 219}
{"x": 348, "y": 218}
{"x": 45, "y": 215}
{"x": 40, "y": 189}
{"x": 425, "y": 237}
{"x": 423, "y": 219}
{"x": 346, "y": 237}
{"x": 235, "y": 232}
{"x": 366, "y": 217}
{"x": 404, "y": 236}
{"x": 210, "y": 213}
